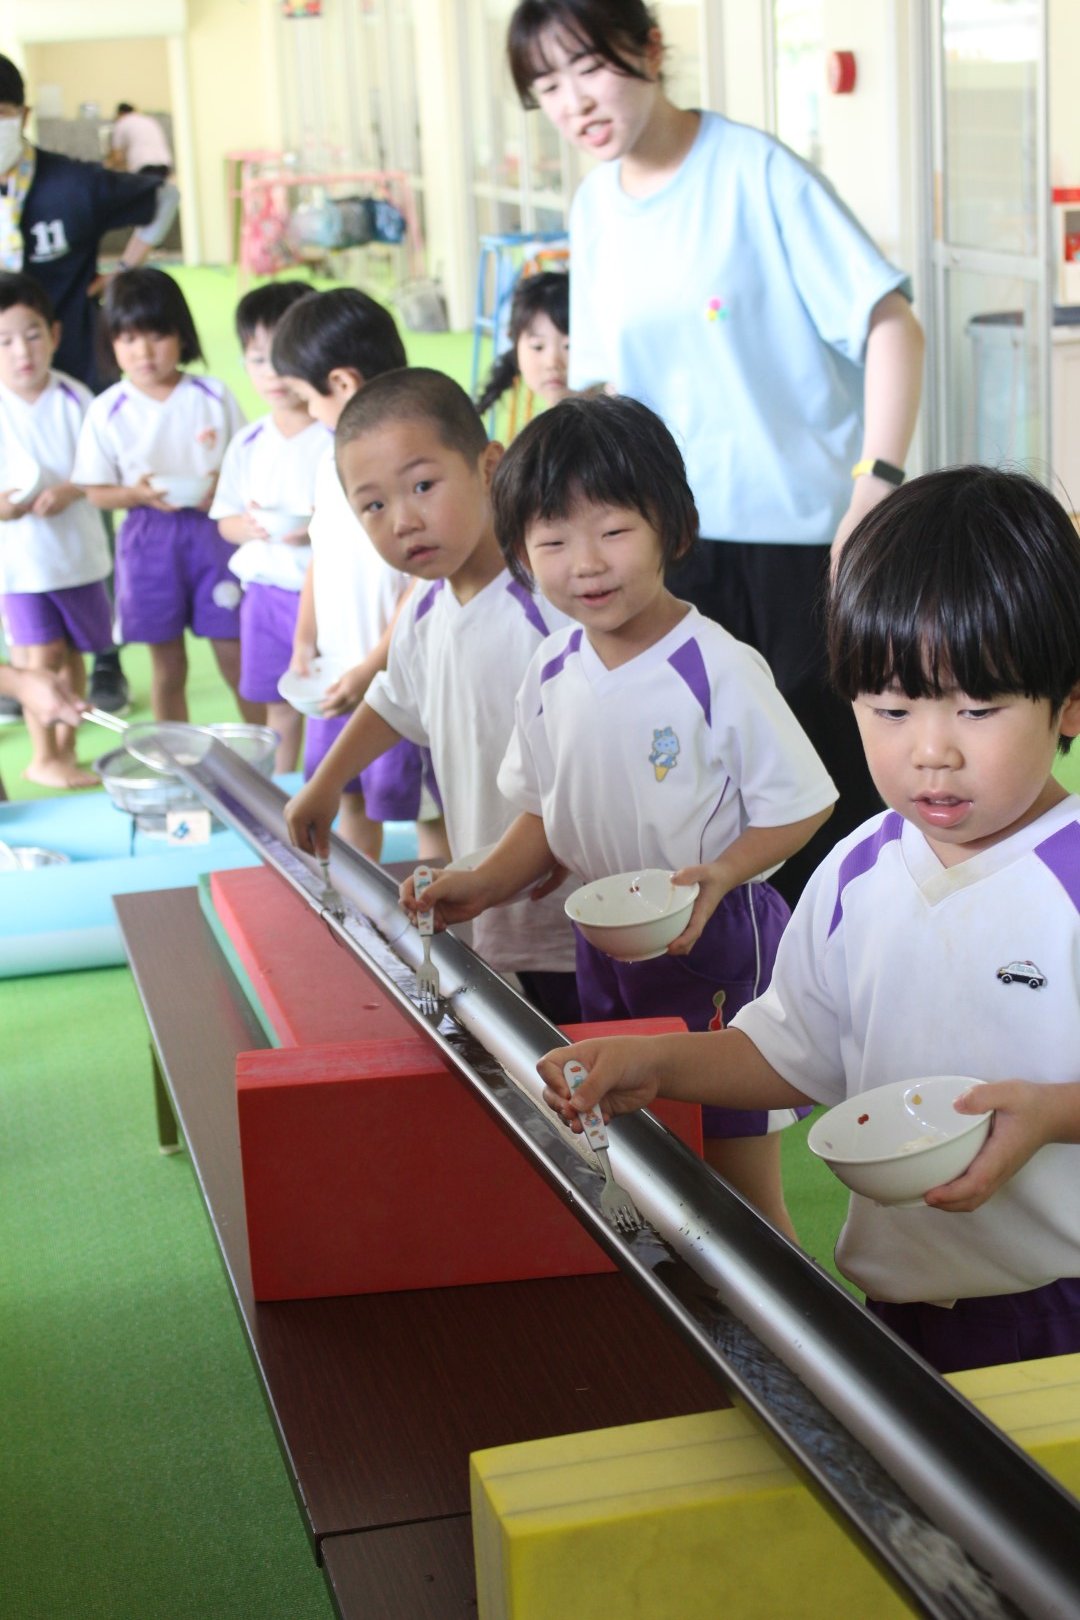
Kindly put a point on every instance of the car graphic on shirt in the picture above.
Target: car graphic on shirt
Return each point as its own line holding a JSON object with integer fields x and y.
{"x": 1022, "y": 973}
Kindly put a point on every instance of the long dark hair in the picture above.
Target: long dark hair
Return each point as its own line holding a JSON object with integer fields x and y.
{"x": 545, "y": 294}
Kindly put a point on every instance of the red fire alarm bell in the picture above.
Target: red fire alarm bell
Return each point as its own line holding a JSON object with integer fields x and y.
{"x": 840, "y": 68}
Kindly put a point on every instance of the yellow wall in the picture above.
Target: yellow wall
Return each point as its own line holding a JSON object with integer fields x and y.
{"x": 104, "y": 71}
{"x": 232, "y": 70}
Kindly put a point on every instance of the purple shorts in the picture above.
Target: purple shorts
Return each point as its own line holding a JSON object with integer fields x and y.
{"x": 731, "y": 963}
{"x": 172, "y": 575}
{"x": 990, "y": 1330}
{"x": 267, "y": 621}
{"x": 391, "y": 785}
{"x": 79, "y": 614}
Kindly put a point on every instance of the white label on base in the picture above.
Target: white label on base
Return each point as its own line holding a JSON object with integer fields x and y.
{"x": 188, "y": 826}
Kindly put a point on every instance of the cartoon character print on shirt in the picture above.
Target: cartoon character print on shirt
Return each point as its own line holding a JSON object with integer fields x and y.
{"x": 665, "y": 751}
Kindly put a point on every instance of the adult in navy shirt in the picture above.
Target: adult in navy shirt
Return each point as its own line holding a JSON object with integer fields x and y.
{"x": 61, "y": 208}
{"x": 54, "y": 210}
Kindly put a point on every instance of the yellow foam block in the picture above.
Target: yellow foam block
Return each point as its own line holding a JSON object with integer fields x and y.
{"x": 692, "y": 1517}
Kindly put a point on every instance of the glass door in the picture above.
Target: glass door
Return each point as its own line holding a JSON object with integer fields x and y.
{"x": 988, "y": 380}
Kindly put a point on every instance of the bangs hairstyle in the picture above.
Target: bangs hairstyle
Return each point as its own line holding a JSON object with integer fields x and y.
{"x": 340, "y": 329}
{"x": 615, "y": 30}
{"x": 603, "y": 452}
{"x": 148, "y": 300}
{"x": 966, "y": 579}
{"x": 20, "y": 290}
{"x": 415, "y": 394}
{"x": 265, "y": 306}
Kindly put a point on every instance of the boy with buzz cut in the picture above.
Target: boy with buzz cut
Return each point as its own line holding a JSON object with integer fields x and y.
{"x": 416, "y": 468}
{"x": 54, "y": 555}
{"x": 329, "y": 347}
{"x": 270, "y": 467}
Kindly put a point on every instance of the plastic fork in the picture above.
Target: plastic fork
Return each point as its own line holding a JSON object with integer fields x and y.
{"x": 427, "y": 974}
{"x": 329, "y": 899}
{"x": 102, "y": 717}
{"x": 615, "y": 1202}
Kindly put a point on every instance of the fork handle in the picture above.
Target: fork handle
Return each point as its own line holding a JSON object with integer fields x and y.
{"x": 592, "y": 1122}
{"x": 423, "y": 878}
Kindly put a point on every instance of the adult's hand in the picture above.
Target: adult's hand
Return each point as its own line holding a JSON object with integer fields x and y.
{"x": 48, "y": 696}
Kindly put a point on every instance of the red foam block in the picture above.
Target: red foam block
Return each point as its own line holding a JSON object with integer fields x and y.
{"x": 310, "y": 987}
{"x": 369, "y": 1168}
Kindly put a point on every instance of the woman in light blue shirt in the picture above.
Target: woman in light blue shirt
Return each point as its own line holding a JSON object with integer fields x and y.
{"x": 720, "y": 280}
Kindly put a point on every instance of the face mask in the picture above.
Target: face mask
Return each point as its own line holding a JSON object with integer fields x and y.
{"x": 11, "y": 143}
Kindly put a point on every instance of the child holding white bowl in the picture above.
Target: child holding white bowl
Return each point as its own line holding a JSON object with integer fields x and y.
{"x": 151, "y": 446}
{"x": 416, "y": 466}
{"x": 645, "y": 736}
{"x": 943, "y": 935}
{"x": 269, "y": 472}
{"x": 54, "y": 555}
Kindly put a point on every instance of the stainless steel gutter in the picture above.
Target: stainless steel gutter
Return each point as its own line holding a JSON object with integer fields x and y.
{"x": 959, "y": 1519}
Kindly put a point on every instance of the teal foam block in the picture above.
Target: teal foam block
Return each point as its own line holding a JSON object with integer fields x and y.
{"x": 56, "y": 918}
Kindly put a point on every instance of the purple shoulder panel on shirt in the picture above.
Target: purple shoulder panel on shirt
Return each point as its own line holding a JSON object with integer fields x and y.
{"x": 249, "y": 438}
{"x": 1060, "y": 854}
{"x": 529, "y": 606}
{"x": 862, "y": 858}
{"x": 69, "y": 392}
{"x": 427, "y": 601}
{"x": 549, "y": 671}
{"x": 203, "y": 383}
{"x": 120, "y": 399}
{"x": 688, "y": 662}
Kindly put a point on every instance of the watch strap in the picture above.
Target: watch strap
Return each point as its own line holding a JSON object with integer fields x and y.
{"x": 879, "y": 469}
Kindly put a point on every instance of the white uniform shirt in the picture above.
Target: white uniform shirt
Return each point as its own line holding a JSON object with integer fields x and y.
{"x": 262, "y": 464}
{"x": 453, "y": 671}
{"x": 891, "y": 969}
{"x": 127, "y": 434}
{"x": 662, "y": 762}
{"x": 753, "y": 352}
{"x": 355, "y": 591}
{"x": 50, "y": 553}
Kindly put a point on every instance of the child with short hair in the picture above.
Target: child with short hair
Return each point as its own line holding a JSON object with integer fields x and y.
{"x": 329, "y": 347}
{"x": 416, "y": 466}
{"x": 54, "y": 554}
{"x": 645, "y": 736}
{"x": 172, "y": 566}
{"x": 269, "y": 465}
{"x": 538, "y": 353}
{"x": 953, "y": 631}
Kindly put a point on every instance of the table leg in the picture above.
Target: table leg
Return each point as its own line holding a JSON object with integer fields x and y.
{"x": 168, "y": 1135}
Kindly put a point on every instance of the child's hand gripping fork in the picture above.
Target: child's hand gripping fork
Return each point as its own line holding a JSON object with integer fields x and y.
{"x": 427, "y": 974}
{"x": 616, "y": 1204}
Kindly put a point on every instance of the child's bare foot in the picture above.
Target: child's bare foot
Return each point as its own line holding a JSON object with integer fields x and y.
{"x": 59, "y": 773}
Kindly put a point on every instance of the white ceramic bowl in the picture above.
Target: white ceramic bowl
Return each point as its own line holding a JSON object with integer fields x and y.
{"x": 278, "y": 524}
{"x": 183, "y": 489}
{"x": 26, "y": 477}
{"x": 632, "y": 916}
{"x": 894, "y": 1143}
{"x": 306, "y": 692}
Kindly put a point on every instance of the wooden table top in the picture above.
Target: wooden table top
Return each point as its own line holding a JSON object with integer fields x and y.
{"x": 379, "y": 1399}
